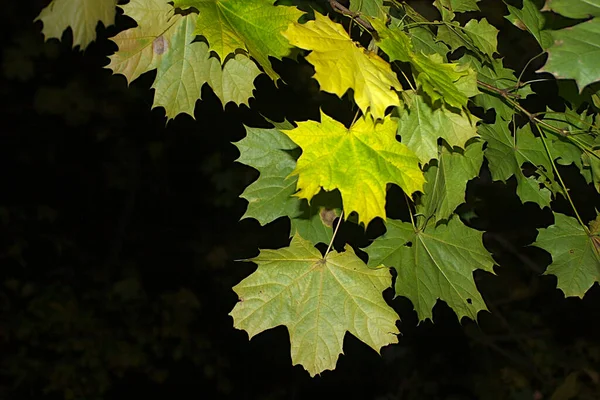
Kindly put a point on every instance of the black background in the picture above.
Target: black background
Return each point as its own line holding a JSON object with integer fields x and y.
{"x": 119, "y": 231}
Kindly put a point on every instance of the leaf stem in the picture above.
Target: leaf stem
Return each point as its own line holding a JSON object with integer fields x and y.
{"x": 527, "y": 65}
{"x": 533, "y": 118}
{"x": 537, "y": 123}
{"x": 355, "y": 117}
{"x": 527, "y": 83}
{"x": 562, "y": 183}
{"x": 509, "y": 98}
{"x": 334, "y": 233}
{"x": 412, "y": 220}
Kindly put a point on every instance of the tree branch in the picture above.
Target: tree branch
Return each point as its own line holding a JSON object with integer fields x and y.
{"x": 354, "y": 15}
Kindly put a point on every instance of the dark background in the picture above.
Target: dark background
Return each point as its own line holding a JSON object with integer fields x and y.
{"x": 118, "y": 234}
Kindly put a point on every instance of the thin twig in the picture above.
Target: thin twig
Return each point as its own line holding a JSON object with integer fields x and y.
{"x": 506, "y": 95}
{"x": 509, "y": 98}
{"x": 354, "y": 15}
{"x": 537, "y": 123}
{"x": 334, "y": 233}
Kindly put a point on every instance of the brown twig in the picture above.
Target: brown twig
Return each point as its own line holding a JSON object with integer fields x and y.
{"x": 354, "y": 15}
{"x": 533, "y": 118}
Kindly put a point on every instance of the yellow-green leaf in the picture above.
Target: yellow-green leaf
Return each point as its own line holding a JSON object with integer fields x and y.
{"x": 342, "y": 64}
{"x": 372, "y": 8}
{"x": 165, "y": 41}
{"x": 255, "y": 26}
{"x": 82, "y": 16}
{"x": 452, "y": 83}
{"x": 359, "y": 162}
{"x": 420, "y": 125}
{"x": 318, "y": 299}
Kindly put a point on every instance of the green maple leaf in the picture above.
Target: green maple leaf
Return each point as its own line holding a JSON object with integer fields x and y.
{"x": 448, "y": 7}
{"x": 574, "y": 53}
{"x": 451, "y": 34}
{"x": 254, "y": 26}
{"x": 271, "y": 196}
{"x": 420, "y": 126}
{"x": 452, "y": 83}
{"x": 434, "y": 263}
{"x": 446, "y": 181}
{"x": 578, "y": 9}
{"x": 341, "y": 65}
{"x": 567, "y": 89}
{"x": 483, "y": 35}
{"x": 82, "y": 16}
{"x": 495, "y": 74}
{"x": 529, "y": 18}
{"x": 315, "y": 221}
{"x": 564, "y": 149}
{"x": 372, "y": 8}
{"x": 165, "y": 42}
{"x": 423, "y": 41}
{"x": 506, "y": 153}
{"x": 477, "y": 36}
{"x": 458, "y": 6}
{"x": 359, "y": 162}
{"x": 449, "y": 82}
{"x": 318, "y": 299}
{"x": 591, "y": 163}
{"x": 575, "y": 257}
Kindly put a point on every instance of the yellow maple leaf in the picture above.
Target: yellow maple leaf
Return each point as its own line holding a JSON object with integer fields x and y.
{"x": 342, "y": 64}
{"x": 358, "y": 161}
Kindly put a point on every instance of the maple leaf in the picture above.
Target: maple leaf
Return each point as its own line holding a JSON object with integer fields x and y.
{"x": 452, "y": 83}
{"x": 318, "y": 299}
{"x": 576, "y": 9}
{"x": 483, "y": 35}
{"x": 234, "y": 81}
{"x": 478, "y": 36}
{"x": 316, "y": 220}
{"x": 420, "y": 126}
{"x": 271, "y": 195}
{"x": 531, "y": 19}
{"x": 507, "y": 153}
{"x": 495, "y": 74}
{"x": 574, "y": 53}
{"x": 575, "y": 253}
{"x": 434, "y": 263}
{"x": 446, "y": 181}
{"x": 165, "y": 41}
{"x": 254, "y": 26}
{"x": 423, "y": 41}
{"x": 372, "y": 8}
{"x": 448, "y": 7}
{"x": 422, "y": 37}
{"x": 563, "y": 149}
{"x": 591, "y": 163}
{"x": 82, "y": 16}
{"x": 358, "y": 161}
{"x": 341, "y": 64}
{"x": 457, "y": 6}
{"x": 567, "y": 89}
